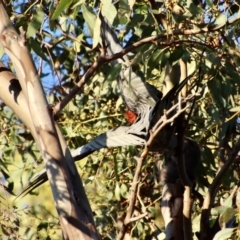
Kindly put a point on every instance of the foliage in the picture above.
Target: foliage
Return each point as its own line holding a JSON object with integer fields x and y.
{"x": 64, "y": 40}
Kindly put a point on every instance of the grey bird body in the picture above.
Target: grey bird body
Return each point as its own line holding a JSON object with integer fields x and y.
{"x": 140, "y": 97}
{"x": 136, "y": 93}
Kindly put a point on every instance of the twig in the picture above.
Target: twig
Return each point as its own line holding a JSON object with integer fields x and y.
{"x": 80, "y": 84}
{"x": 181, "y": 42}
{"x": 159, "y": 17}
{"x": 132, "y": 199}
{"x": 133, "y": 219}
{"x": 103, "y": 58}
{"x": 133, "y": 196}
{"x": 162, "y": 122}
{"x": 212, "y": 191}
{"x": 85, "y": 44}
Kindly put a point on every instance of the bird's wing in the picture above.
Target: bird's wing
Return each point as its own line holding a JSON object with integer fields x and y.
{"x": 133, "y": 88}
{"x": 119, "y": 137}
{"x": 133, "y": 135}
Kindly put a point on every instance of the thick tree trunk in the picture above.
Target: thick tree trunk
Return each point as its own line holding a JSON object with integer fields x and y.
{"x": 70, "y": 199}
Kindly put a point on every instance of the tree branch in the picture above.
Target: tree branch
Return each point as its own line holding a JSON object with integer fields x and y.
{"x": 75, "y": 224}
{"x": 133, "y": 196}
{"x": 163, "y": 121}
{"x": 212, "y": 191}
{"x": 80, "y": 84}
{"x": 187, "y": 202}
{"x": 132, "y": 199}
{"x": 103, "y": 58}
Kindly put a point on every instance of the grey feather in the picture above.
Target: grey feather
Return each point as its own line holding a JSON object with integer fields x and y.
{"x": 133, "y": 135}
{"x": 139, "y": 96}
{"x": 136, "y": 93}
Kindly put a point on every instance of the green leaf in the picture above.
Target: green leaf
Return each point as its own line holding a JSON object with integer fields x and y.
{"x": 117, "y": 192}
{"x": 136, "y": 20}
{"x": 131, "y": 3}
{"x": 36, "y": 47}
{"x": 109, "y": 195}
{"x": 124, "y": 6}
{"x": 227, "y": 215}
{"x": 77, "y": 44}
{"x": 196, "y": 223}
{"x": 124, "y": 191}
{"x": 232, "y": 73}
{"x": 43, "y": 225}
{"x": 114, "y": 72}
{"x": 108, "y": 10}
{"x": 215, "y": 113}
{"x": 195, "y": 10}
{"x": 142, "y": 9}
{"x": 209, "y": 3}
{"x": 78, "y": 3}
{"x": 224, "y": 234}
{"x": 154, "y": 58}
{"x": 176, "y": 55}
{"x": 96, "y": 33}
{"x": 214, "y": 87}
{"x": 235, "y": 109}
{"x": 36, "y": 22}
{"x": 225, "y": 129}
{"x": 238, "y": 200}
{"x": 164, "y": 58}
{"x": 63, "y": 4}
{"x": 155, "y": 11}
{"x": 89, "y": 17}
{"x": 219, "y": 22}
{"x": 207, "y": 154}
{"x": 143, "y": 53}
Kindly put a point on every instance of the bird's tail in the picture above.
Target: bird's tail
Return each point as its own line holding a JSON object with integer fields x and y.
{"x": 110, "y": 41}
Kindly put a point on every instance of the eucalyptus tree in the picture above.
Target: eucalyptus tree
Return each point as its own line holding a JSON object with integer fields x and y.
{"x": 160, "y": 42}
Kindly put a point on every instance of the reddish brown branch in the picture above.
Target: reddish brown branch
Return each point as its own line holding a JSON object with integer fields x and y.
{"x": 212, "y": 191}
{"x": 187, "y": 201}
{"x": 103, "y": 58}
{"x": 133, "y": 196}
{"x": 79, "y": 85}
{"x": 132, "y": 199}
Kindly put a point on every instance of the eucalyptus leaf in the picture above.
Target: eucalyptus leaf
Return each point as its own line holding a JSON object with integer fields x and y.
{"x": 89, "y": 17}
{"x": 62, "y": 5}
{"x": 219, "y": 22}
{"x": 36, "y": 22}
{"x": 78, "y": 3}
{"x": 227, "y": 215}
{"x": 117, "y": 192}
{"x": 209, "y": 3}
{"x": 153, "y": 61}
{"x": 214, "y": 87}
{"x": 235, "y": 109}
{"x": 224, "y": 234}
{"x": 96, "y": 32}
{"x": 114, "y": 72}
{"x": 124, "y": 190}
{"x": 108, "y": 10}
{"x": 176, "y": 55}
{"x": 37, "y": 48}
